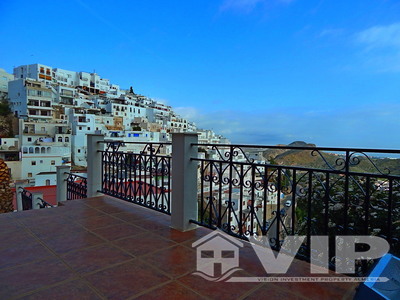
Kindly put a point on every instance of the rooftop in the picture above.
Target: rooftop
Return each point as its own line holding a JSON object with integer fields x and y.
{"x": 105, "y": 248}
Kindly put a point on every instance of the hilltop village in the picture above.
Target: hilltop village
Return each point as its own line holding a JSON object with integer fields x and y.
{"x": 52, "y": 110}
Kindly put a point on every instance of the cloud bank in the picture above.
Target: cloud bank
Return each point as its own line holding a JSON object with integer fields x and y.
{"x": 369, "y": 126}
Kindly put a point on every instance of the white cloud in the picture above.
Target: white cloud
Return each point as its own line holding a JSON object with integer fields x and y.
{"x": 333, "y": 32}
{"x": 381, "y": 47}
{"x": 248, "y": 5}
{"x": 189, "y": 113}
{"x": 380, "y": 36}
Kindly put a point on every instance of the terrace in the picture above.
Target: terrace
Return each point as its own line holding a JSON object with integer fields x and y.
{"x": 132, "y": 237}
{"x": 106, "y": 248}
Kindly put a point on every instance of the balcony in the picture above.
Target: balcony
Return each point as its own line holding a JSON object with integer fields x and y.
{"x": 154, "y": 206}
{"x": 106, "y": 248}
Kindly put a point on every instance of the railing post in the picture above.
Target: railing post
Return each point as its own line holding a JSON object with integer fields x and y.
{"x": 184, "y": 181}
{"x": 36, "y": 201}
{"x": 94, "y": 157}
{"x": 18, "y": 196}
{"x": 62, "y": 183}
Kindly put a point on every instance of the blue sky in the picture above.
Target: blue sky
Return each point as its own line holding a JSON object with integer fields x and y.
{"x": 256, "y": 71}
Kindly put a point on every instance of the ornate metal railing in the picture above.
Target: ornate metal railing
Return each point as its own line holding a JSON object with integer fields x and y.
{"x": 27, "y": 198}
{"x": 343, "y": 192}
{"x": 76, "y": 187}
{"x": 44, "y": 204}
{"x": 142, "y": 178}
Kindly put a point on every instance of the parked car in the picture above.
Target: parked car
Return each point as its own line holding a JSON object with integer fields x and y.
{"x": 288, "y": 203}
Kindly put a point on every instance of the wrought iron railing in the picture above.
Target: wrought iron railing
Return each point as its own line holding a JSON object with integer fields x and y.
{"x": 44, "y": 204}
{"x": 76, "y": 186}
{"x": 142, "y": 178}
{"x": 27, "y": 198}
{"x": 343, "y": 192}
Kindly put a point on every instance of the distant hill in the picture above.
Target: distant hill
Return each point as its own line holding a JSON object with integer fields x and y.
{"x": 306, "y": 158}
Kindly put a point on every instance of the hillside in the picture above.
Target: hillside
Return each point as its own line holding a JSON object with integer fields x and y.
{"x": 8, "y": 122}
{"x": 305, "y": 158}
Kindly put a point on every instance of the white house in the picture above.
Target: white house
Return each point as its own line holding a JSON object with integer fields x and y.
{"x": 215, "y": 251}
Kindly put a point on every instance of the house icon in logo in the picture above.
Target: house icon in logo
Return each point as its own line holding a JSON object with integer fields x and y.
{"x": 217, "y": 255}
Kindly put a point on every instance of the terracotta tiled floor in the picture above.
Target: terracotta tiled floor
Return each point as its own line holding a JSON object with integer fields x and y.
{"x": 104, "y": 248}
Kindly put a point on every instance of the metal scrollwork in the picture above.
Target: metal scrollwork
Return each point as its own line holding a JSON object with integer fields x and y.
{"x": 142, "y": 178}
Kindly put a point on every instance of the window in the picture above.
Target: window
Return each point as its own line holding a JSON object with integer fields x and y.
{"x": 88, "y": 128}
{"x": 228, "y": 254}
{"x": 33, "y": 162}
{"x": 29, "y": 139}
{"x": 67, "y": 139}
{"x": 41, "y": 161}
{"x": 79, "y": 150}
{"x": 207, "y": 253}
{"x": 80, "y": 127}
{"x": 47, "y": 181}
{"x": 60, "y": 139}
{"x": 29, "y": 174}
{"x": 53, "y": 162}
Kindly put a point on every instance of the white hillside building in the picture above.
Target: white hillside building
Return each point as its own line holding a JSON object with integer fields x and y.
{"x": 30, "y": 99}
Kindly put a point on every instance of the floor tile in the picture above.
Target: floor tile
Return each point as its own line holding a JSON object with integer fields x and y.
{"x": 126, "y": 280}
{"x": 133, "y": 216}
{"x": 249, "y": 261}
{"x": 50, "y": 230}
{"x": 143, "y": 243}
{"x": 175, "y": 261}
{"x": 98, "y": 222}
{"x": 112, "y": 209}
{"x": 118, "y": 231}
{"x": 217, "y": 290}
{"x": 32, "y": 276}
{"x": 65, "y": 243}
{"x": 24, "y": 252}
{"x": 270, "y": 291}
{"x": 13, "y": 238}
{"x": 153, "y": 224}
{"x": 187, "y": 237}
{"x": 171, "y": 291}
{"x": 317, "y": 290}
{"x": 95, "y": 236}
{"x": 84, "y": 213}
{"x": 95, "y": 258}
{"x": 70, "y": 290}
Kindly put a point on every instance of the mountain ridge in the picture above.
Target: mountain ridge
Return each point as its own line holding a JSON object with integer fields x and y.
{"x": 319, "y": 159}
